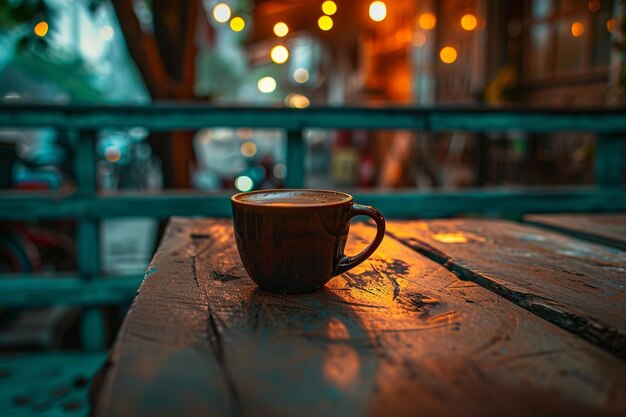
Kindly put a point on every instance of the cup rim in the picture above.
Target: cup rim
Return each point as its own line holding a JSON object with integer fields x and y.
{"x": 234, "y": 199}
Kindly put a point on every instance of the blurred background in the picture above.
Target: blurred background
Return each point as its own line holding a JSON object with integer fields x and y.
{"x": 284, "y": 53}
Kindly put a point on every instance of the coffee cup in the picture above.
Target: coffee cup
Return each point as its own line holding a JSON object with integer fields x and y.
{"x": 293, "y": 241}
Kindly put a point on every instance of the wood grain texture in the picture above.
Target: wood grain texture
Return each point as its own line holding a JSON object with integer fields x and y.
{"x": 607, "y": 229}
{"x": 576, "y": 285}
{"x": 398, "y": 335}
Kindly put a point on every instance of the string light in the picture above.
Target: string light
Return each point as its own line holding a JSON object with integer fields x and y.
{"x": 325, "y": 23}
{"x": 41, "y": 29}
{"x": 237, "y": 24}
{"x": 266, "y": 85}
{"x": 301, "y": 75}
{"x": 469, "y": 22}
{"x": 427, "y": 21}
{"x": 448, "y": 54}
{"x": 279, "y": 54}
{"x": 221, "y": 12}
{"x": 329, "y": 7}
{"x": 298, "y": 101}
{"x": 378, "y": 11}
{"x": 244, "y": 183}
{"x": 578, "y": 29}
{"x": 610, "y": 25}
{"x": 248, "y": 149}
{"x": 281, "y": 29}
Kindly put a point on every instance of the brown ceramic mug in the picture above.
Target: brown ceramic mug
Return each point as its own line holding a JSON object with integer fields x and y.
{"x": 292, "y": 241}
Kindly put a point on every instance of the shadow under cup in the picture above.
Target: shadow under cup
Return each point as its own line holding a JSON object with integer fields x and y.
{"x": 292, "y": 241}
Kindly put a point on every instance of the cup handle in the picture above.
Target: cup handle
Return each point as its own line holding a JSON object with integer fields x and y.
{"x": 348, "y": 262}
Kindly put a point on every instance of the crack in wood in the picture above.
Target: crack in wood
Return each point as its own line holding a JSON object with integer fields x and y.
{"x": 592, "y": 330}
{"x": 217, "y": 346}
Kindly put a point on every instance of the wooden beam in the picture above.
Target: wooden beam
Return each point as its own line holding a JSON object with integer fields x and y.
{"x": 35, "y": 290}
{"x": 168, "y": 116}
{"x": 399, "y": 205}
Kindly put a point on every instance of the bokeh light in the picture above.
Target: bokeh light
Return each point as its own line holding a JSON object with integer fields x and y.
{"x": 297, "y": 101}
{"x": 469, "y": 22}
{"x": 610, "y": 25}
{"x": 106, "y": 33}
{"x": 266, "y": 85}
{"x": 281, "y": 29}
{"x": 112, "y": 154}
{"x": 41, "y": 29}
{"x": 378, "y": 11}
{"x": 237, "y": 24}
{"x": 248, "y": 149}
{"x": 578, "y": 29}
{"x": 301, "y": 75}
{"x": 427, "y": 21}
{"x": 279, "y": 171}
{"x": 325, "y": 23}
{"x": 404, "y": 35}
{"x": 279, "y": 54}
{"x": 448, "y": 54}
{"x": 244, "y": 183}
{"x": 329, "y": 7}
{"x": 221, "y": 12}
{"x": 419, "y": 39}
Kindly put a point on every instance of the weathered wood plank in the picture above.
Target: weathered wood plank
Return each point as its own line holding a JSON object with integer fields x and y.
{"x": 576, "y": 285}
{"x": 607, "y": 229}
{"x": 162, "y": 363}
{"x": 398, "y": 335}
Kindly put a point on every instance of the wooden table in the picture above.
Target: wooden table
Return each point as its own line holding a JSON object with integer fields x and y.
{"x": 449, "y": 317}
{"x": 607, "y": 229}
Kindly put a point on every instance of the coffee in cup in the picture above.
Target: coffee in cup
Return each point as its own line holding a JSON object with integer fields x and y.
{"x": 292, "y": 241}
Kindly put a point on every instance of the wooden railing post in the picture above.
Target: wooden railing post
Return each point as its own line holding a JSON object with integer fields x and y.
{"x": 610, "y": 160}
{"x": 88, "y": 234}
{"x": 295, "y": 159}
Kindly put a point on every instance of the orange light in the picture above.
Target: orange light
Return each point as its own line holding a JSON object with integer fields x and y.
{"x": 610, "y": 25}
{"x": 448, "y": 54}
{"x": 594, "y": 6}
{"x": 404, "y": 35}
{"x": 469, "y": 22}
{"x": 378, "y": 11}
{"x": 577, "y": 29}
{"x": 325, "y": 23}
{"x": 281, "y": 29}
{"x": 427, "y": 21}
{"x": 237, "y": 24}
{"x": 41, "y": 29}
{"x": 329, "y": 7}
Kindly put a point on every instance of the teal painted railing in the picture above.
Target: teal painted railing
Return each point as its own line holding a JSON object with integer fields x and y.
{"x": 88, "y": 288}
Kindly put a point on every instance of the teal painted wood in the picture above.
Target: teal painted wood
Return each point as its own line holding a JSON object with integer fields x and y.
{"x": 295, "y": 159}
{"x": 92, "y": 326}
{"x": 48, "y": 384}
{"x": 610, "y": 160}
{"x": 92, "y": 330}
{"x": 34, "y": 291}
{"x": 437, "y": 119}
{"x": 398, "y": 205}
